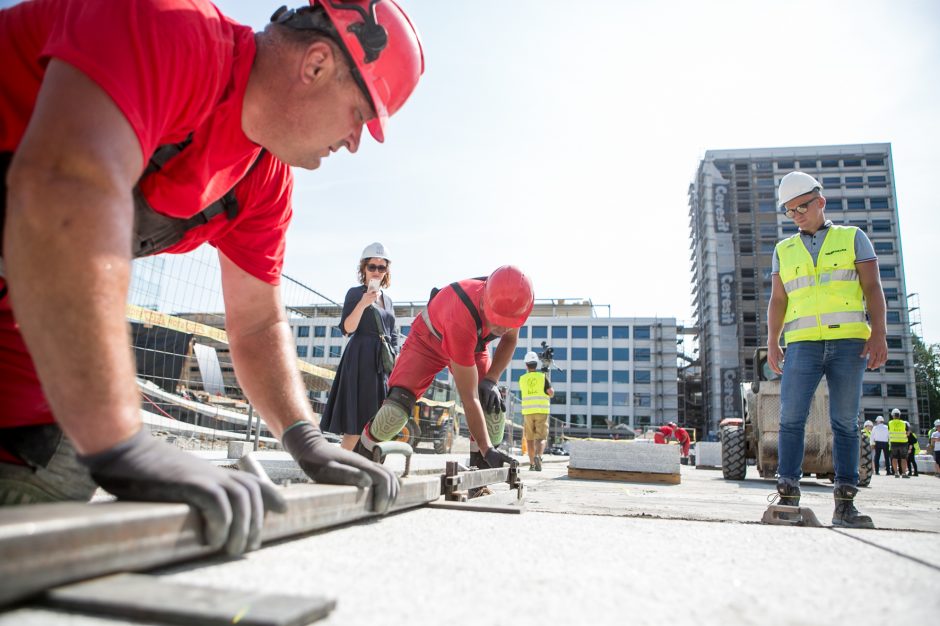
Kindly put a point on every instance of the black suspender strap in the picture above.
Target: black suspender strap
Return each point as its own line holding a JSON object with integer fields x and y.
{"x": 481, "y": 340}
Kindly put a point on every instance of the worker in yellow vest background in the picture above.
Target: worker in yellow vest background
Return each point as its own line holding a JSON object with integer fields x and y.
{"x": 823, "y": 280}
{"x": 536, "y": 392}
{"x": 897, "y": 437}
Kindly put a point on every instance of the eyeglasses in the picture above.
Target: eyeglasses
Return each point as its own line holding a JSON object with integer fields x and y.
{"x": 372, "y": 267}
{"x": 803, "y": 208}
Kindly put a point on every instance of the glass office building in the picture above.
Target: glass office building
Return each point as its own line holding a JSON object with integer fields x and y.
{"x": 734, "y": 225}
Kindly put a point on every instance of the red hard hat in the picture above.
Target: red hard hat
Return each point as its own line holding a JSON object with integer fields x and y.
{"x": 386, "y": 49}
{"x": 508, "y": 297}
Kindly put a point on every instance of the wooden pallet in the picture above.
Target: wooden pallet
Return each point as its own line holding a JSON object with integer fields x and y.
{"x": 630, "y": 477}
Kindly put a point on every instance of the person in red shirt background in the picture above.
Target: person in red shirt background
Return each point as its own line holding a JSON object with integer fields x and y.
{"x": 663, "y": 434}
{"x": 454, "y": 331}
{"x": 130, "y": 128}
{"x": 682, "y": 438}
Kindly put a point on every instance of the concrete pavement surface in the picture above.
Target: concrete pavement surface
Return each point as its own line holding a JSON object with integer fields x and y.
{"x": 599, "y": 552}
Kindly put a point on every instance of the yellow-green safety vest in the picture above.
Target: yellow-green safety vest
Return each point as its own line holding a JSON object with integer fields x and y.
{"x": 534, "y": 398}
{"x": 897, "y": 431}
{"x": 823, "y": 301}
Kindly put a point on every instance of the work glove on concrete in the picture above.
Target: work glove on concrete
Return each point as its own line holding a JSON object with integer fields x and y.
{"x": 232, "y": 503}
{"x": 490, "y": 397}
{"x": 496, "y": 458}
{"x": 327, "y": 463}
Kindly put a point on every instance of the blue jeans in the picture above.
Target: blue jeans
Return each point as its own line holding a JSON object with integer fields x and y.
{"x": 803, "y": 367}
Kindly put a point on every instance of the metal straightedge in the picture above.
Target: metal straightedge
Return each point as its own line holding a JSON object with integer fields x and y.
{"x": 457, "y": 480}
{"x": 47, "y": 545}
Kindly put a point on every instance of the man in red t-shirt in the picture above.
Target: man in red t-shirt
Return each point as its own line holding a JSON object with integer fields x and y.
{"x": 663, "y": 434}
{"x": 130, "y": 128}
{"x": 682, "y": 438}
{"x": 454, "y": 331}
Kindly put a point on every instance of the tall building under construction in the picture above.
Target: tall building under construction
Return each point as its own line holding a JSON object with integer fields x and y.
{"x": 734, "y": 225}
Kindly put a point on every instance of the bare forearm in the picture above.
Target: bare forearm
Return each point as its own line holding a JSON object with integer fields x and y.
{"x": 476, "y": 423}
{"x": 67, "y": 257}
{"x": 351, "y": 323}
{"x": 875, "y": 302}
{"x": 265, "y": 365}
{"x": 776, "y": 311}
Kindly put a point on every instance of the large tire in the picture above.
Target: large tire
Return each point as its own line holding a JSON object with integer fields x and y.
{"x": 733, "y": 453}
{"x": 866, "y": 462}
{"x": 445, "y": 443}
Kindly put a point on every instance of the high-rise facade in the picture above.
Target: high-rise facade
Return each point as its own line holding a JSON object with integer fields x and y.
{"x": 735, "y": 224}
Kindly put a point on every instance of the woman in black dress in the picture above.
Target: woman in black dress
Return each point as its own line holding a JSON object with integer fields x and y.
{"x": 361, "y": 384}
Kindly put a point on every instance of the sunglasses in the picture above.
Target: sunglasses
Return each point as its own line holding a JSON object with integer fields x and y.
{"x": 372, "y": 267}
{"x": 802, "y": 208}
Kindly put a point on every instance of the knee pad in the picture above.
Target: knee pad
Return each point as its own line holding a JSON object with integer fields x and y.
{"x": 392, "y": 415}
{"x": 495, "y": 426}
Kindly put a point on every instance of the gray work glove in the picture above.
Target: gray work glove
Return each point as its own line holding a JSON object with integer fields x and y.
{"x": 232, "y": 503}
{"x": 490, "y": 397}
{"x": 495, "y": 458}
{"x": 326, "y": 463}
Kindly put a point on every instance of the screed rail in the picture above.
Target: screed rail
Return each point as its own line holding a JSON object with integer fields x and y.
{"x": 46, "y": 545}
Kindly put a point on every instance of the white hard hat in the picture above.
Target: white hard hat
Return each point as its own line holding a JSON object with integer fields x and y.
{"x": 793, "y": 185}
{"x": 936, "y": 422}
{"x": 375, "y": 251}
{"x": 895, "y": 411}
{"x": 868, "y": 423}
{"x": 880, "y": 419}
{"x": 531, "y": 357}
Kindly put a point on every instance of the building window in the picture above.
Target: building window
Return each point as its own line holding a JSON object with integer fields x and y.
{"x": 891, "y": 294}
{"x": 579, "y": 376}
{"x": 809, "y": 164}
{"x": 335, "y": 331}
{"x": 559, "y": 332}
{"x": 853, "y": 182}
{"x": 894, "y": 342}
{"x": 621, "y": 398}
{"x": 621, "y": 354}
{"x": 785, "y": 165}
{"x": 871, "y": 390}
{"x": 829, "y": 163}
{"x": 559, "y": 376}
{"x": 881, "y": 226}
{"x": 621, "y": 332}
{"x": 641, "y": 354}
{"x": 599, "y": 376}
{"x": 893, "y": 317}
{"x": 831, "y": 181}
{"x": 579, "y": 354}
{"x": 600, "y": 332}
{"x": 851, "y": 163}
{"x": 883, "y": 247}
{"x": 540, "y": 332}
{"x": 875, "y": 162}
{"x": 407, "y": 329}
{"x": 878, "y": 204}
{"x": 855, "y": 204}
{"x": 599, "y": 398}
{"x": 561, "y": 354}
{"x": 317, "y": 352}
{"x": 887, "y": 271}
{"x": 335, "y": 351}
{"x": 641, "y": 399}
{"x": 621, "y": 376}
{"x": 578, "y": 398}
{"x": 303, "y": 331}
{"x": 641, "y": 332}
{"x": 896, "y": 391}
{"x": 579, "y": 332}
{"x": 560, "y": 397}
{"x": 524, "y": 332}
{"x": 641, "y": 376}
{"x": 519, "y": 353}
{"x": 894, "y": 366}
{"x": 599, "y": 354}
{"x": 517, "y": 373}
{"x": 319, "y": 331}
{"x": 302, "y": 352}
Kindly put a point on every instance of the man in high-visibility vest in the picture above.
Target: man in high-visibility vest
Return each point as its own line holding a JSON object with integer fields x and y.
{"x": 897, "y": 436}
{"x": 536, "y": 392}
{"x": 823, "y": 279}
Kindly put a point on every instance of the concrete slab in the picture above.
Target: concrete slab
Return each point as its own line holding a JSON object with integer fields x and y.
{"x": 623, "y": 456}
{"x": 708, "y": 454}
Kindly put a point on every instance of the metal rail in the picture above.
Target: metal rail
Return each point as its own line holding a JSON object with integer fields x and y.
{"x": 46, "y": 545}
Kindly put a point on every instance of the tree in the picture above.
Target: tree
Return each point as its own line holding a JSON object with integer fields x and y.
{"x": 927, "y": 371}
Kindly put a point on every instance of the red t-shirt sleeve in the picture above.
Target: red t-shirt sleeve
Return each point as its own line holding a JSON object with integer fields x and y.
{"x": 163, "y": 62}
{"x": 256, "y": 242}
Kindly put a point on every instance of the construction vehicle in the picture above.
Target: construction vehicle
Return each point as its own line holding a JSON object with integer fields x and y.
{"x": 431, "y": 422}
{"x": 754, "y": 437}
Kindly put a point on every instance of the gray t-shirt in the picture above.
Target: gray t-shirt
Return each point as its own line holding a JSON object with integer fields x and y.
{"x": 864, "y": 251}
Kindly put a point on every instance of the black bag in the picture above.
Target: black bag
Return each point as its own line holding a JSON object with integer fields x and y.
{"x": 387, "y": 353}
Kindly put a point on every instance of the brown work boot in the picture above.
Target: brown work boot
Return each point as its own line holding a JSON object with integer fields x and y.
{"x": 845, "y": 514}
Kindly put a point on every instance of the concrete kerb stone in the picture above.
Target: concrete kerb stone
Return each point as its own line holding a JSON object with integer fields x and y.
{"x": 623, "y": 456}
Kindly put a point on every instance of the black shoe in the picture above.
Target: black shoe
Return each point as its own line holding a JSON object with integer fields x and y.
{"x": 845, "y": 514}
{"x": 789, "y": 495}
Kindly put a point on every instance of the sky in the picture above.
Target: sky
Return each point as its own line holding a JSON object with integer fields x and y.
{"x": 562, "y": 137}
